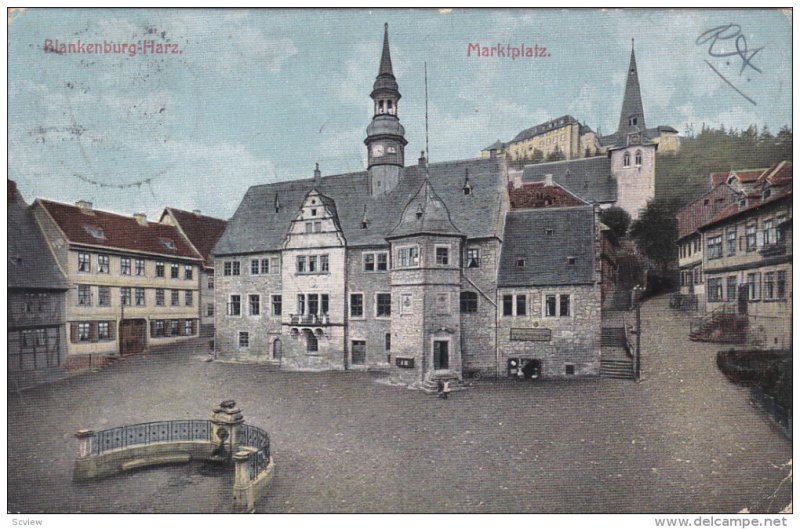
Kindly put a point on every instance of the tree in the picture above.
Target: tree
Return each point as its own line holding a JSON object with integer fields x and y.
{"x": 537, "y": 156}
{"x": 617, "y": 219}
{"x": 556, "y": 155}
{"x": 655, "y": 232}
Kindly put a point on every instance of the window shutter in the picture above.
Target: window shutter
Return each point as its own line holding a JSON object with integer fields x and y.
{"x": 73, "y": 332}
{"x": 111, "y": 330}
{"x": 93, "y": 331}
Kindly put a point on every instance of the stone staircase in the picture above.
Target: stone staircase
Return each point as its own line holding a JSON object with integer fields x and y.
{"x": 617, "y": 368}
{"x": 431, "y": 384}
{"x": 613, "y": 337}
{"x": 723, "y": 325}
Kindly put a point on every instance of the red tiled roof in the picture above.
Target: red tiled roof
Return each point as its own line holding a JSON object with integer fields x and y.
{"x": 696, "y": 213}
{"x": 745, "y": 176}
{"x": 538, "y": 195}
{"x": 734, "y": 209}
{"x": 112, "y": 230}
{"x": 777, "y": 175}
{"x": 202, "y": 231}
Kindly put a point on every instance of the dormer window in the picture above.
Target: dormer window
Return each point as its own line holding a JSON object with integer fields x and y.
{"x": 95, "y": 232}
{"x": 313, "y": 212}
{"x": 420, "y": 212}
{"x": 169, "y": 244}
{"x": 548, "y": 231}
{"x": 520, "y": 262}
{"x": 570, "y": 260}
{"x": 633, "y": 120}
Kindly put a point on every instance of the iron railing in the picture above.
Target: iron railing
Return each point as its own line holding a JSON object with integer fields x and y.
{"x": 257, "y": 438}
{"x": 701, "y": 323}
{"x": 309, "y": 319}
{"x": 148, "y": 433}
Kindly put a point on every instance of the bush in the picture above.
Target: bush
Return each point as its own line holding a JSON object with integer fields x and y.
{"x": 755, "y": 367}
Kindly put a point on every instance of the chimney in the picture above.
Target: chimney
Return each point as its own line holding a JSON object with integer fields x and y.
{"x": 196, "y": 212}
{"x": 548, "y": 180}
{"x": 141, "y": 218}
{"x": 84, "y": 204}
{"x": 422, "y": 161}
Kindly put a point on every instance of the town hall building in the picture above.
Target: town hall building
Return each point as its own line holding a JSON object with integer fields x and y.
{"x": 407, "y": 269}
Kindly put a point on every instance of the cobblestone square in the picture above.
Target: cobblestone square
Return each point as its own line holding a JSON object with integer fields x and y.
{"x": 683, "y": 440}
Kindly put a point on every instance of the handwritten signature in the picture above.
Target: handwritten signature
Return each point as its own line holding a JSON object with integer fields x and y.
{"x": 719, "y": 46}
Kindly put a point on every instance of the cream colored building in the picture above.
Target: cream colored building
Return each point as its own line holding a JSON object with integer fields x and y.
{"x": 747, "y": 261}
{"x": 133, "y": 284}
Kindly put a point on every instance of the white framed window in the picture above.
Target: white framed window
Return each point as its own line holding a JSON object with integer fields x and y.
{"x": 235, "y": 305}
{"x": 254, "y": 304}
{"x": 557, "y": 305}
{"x": 383, "y": 305}
{"x": 408, "y": 256}
{"x": 442, "y": 255}
{"x": 103, "y": 264}
{"x": 357, "y": 305}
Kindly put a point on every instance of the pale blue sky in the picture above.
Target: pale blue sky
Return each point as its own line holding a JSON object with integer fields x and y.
{"x": 258, "y": 95}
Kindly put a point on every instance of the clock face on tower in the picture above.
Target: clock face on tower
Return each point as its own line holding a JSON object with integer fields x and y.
{"x": 377, "y": 150}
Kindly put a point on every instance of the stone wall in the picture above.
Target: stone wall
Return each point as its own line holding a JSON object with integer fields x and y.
{"x": 573, "y": 340}
{"x": 264, "y": 328}
{"x": 369, "y": 328}
{"x": 478, "y": 330}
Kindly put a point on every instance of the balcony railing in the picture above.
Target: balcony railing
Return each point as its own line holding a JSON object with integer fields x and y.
{"x": 310, "y": 319}
{"x": 776, "y": 248}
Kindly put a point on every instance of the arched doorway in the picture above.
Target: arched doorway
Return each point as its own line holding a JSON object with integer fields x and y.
{"x": 276, "y": 349}
{"x": 312, "y": 344}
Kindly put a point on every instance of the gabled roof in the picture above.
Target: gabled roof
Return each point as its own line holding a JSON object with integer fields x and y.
{"x": 744, "y": 176}
{"x": 547, "y": 253}
{"x": 30, "y": 262}
{"x": 201, "y": 230}
{"x": 734, "y": 210}
{"x": 699, "y": 211}
{"x": 258, "y": 227}
{"x": 588, "y": 178}
{"x": 541, "y": 195}
{"x": 425, "y": 213}
{"x": 110, "y": 230}
{"x": 777, "y": 175}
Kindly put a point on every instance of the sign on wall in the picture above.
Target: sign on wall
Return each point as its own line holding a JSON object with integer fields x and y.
{"x": 530, "y": 335}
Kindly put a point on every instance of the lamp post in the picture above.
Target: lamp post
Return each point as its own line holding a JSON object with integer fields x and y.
{"x": 637, "y": 361}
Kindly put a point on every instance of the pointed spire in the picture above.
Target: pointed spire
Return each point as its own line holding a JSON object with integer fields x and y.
{"x": 632, "y": 115}
{"x": 386, "y": 58}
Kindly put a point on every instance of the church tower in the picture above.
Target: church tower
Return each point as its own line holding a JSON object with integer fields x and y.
{"x": 631, "y": 119}
{"x": 633, "y": 156}
{"x": 385, "y": 135}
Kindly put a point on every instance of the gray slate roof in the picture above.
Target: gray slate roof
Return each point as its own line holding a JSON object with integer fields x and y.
{"x": 546, "y": 256}
{"x": 257, "y": 227}
{"x": 588, "y": 178}
{"x": 425, "y": 213}
{"x": 31, "y": 265}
